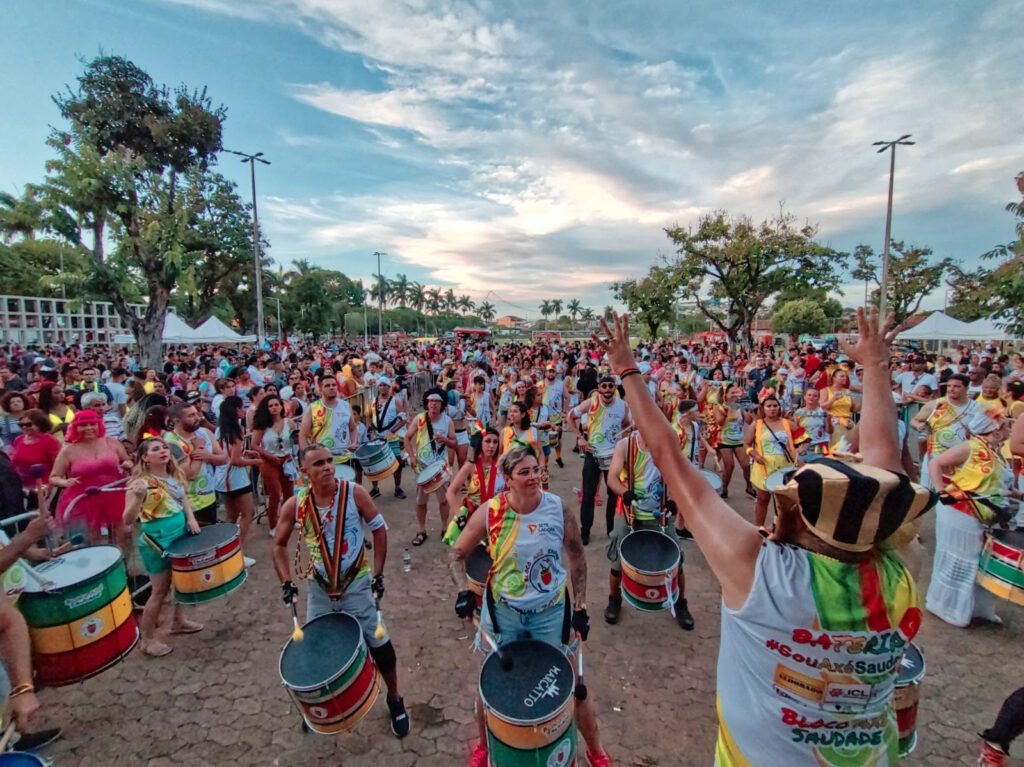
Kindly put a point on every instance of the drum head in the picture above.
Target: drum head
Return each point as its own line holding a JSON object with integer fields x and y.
{"x": 74, "y": 567}
{"x": 538, "y": 684}
{"x": 344, "y": 471}
{"x": 649, "y": 551}
{"x": 713, "y": 479}
{"x": 209, "y": 537}
{"x": 778, "y": 478}
{"x": 478, "y": 563}
{"x": 329, "y": 645}
{"x": 911, "y": 667}
{"x": 1012, "y": 538}
{"x": 430, "y": 472}
{"x": 371, "y": 449}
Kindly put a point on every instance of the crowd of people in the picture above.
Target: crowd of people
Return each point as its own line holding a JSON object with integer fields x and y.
{"x": 850, "y": 446}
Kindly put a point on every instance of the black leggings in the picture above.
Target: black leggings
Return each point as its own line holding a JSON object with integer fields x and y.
{"x": 592, "y": 476}
{"x": 1010, "y": 722}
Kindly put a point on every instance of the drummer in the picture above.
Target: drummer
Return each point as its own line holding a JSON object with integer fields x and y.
{"x": 387, "y": 418}
{"x": 527, "y": 530}
{"x": 330, "y": 512}
{"x": 485, "y": 481}
{"x": 553, "y": 397}
{"x": 816, "y": 423}
{"x": 427, "y": 442}
{"x": 642, "y": 505}
{"x": 158, "y": 498}
{"x": 329, "y": 421}
{"x": 820, "y": 587}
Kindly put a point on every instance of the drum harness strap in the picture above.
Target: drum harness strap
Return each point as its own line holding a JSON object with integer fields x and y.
{"x": 632, "y": 453}
{"x": 379, "y": 413}
{"x": 334, "y": 588}
{"x": 785, "y": 424}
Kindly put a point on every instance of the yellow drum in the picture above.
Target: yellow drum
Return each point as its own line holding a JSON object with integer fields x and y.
{"x": 207, "y": 565}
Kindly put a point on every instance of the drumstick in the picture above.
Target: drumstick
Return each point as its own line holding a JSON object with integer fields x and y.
{"x": 581, "y": 688}
{"x": 8, "y": 733}
{"x": 297, "y": 635}
{"x": 380, "y": 633}
{"x": 503, "y": 657}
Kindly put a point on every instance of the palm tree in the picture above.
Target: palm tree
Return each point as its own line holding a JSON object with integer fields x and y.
{"x": 587, "y": 315}
{"x": 450, "y": 301}
{"x": 416, "y": 296}
{"x": 607, "y": 313}
{"x": 465, "y": 304}
{"x": 400, "y": 289}
{"x": 545, "y": 310}
{"x": 574, "y": 309}
{"x": 433, "y": 300}
{"x": 380, "y": 290}
{"x": 556, "y": 307}
{"x": 486, "y": 311}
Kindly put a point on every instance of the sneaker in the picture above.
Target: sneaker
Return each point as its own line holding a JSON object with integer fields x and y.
{"x": 399, "y": 717}
{"x": 248, "y": 561}
{"x": 611, "y": 612}
{"x": 991, "y": 755}
{"x": 399, "y": 493}
{"x": 30, "y": 741}
{"x": 375, "y": 492}
{"x": 684, "y": 534}
{"x": 585, "y": 537}
{"x": 599, "y": 759}
{"x": 558, "y": 461}
{"x": 273, "y": 532}
{"x": 479, "y": 756}
{"x": 683, "y": 617}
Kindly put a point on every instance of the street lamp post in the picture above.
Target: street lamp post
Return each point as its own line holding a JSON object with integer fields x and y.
{"x": 252, "y": 159}
{"x": 889, "y": 146}
{"x": 380, "y": 301}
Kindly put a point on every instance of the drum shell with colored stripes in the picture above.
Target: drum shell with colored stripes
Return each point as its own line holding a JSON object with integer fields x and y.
{"x": 529, "y": 709}
{"x": 1001, "y": 567}
{"x": 478, "y": 565}
{"x": 906, "y": 696}
{"x": 377, "y": 460}
{"x": 83, "y": 624}
{"x": 330, "y": 674}
{"x": 432, "y": 477}
{"x": 650, "y": 570}
{"x": 208, "y": 565}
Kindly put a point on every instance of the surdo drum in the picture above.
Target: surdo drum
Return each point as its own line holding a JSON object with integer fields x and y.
{"x": 330, "y": 674}
{"x": 432, "y": 477}
{"x": 529, "y": 708}
{"x": 1001, "y": 569}
{"x": 907, "y": 695}
{"x": 207, "y": 565}
{"x": 83, "y": 623}
{"x": 377, "y": 459}
{"x": 650, "y": 570}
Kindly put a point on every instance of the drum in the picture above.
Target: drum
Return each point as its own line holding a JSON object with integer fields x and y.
{"x": 330, "y": 674}
{"x": 208, "y": 565}
{"x": 344, "y": 471}
{"x": 83, "y": 623}
{"x": 713, "y": 479}
{"x": 603, "y": 461}
{"x": 478, "y": 565}
{"x": 907, "y": 695}
{"x": 650, "y": 570}
{"x": 377, "y": 460}
{"x": 432, "y": 477}
{"x": 777, "y": 479}
{"x": 1001, "y": 568}
{"x": 21, "y": 759}
{"x": 529, "y": 708}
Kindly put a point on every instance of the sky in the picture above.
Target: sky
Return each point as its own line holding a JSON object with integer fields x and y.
{"x": 525, "y": 151}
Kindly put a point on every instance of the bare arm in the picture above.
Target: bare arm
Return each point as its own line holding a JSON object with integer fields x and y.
{"x": 470, "y": 537}
{"x": 573, "y": 545}
{"x": 16, "y": 653}
{"x": 1017, "y": 437}
{"x": 305, "y": 429}
{"x": 615, "y": 467}
{"x": 938, "y": 464}
{"x": 283, "y": 531}
{"x": 456, "y": 486}
{"x": 368, "y": 511}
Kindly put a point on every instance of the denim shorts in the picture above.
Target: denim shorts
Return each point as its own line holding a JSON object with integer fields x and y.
{"x": 544, "y": 626}
{"x": 357, "y": 601}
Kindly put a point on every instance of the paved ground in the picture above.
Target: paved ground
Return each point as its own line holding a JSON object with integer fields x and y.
{"x": 218, "y": 700}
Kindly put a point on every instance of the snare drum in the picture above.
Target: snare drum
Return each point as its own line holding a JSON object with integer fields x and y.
{"x": 432, "y": 477}
{"x": 907, "y": 695}
{"x": 478, "y": 565}
{"x": 377, "y": 459}
{"x": 83, "y": 623}
{"x": 330, "y": 674}
{"x": 529, "y": 708}
{"x": 1001, "y": 568}
{"x": 650, "y": 570}
{"x": 713, "y": 479}
{"x": 207, "y": 565}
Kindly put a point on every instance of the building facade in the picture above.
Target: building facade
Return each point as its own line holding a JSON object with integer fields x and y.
{"x": 36, "y": 320}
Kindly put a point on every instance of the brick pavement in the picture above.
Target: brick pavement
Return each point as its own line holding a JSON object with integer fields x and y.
{"x": 218, "y": 700}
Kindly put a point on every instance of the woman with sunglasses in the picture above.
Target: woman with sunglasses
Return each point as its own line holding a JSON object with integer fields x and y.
{"x": 35, "y": 447}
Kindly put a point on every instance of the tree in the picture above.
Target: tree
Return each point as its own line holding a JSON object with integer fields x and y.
{"x": 416, "y": 297}
{"x": 971, "y": 293}
{"x": 465, "y": 304}
{"x": 574, "y": 310}
{"x": 400, "y": 289}
{"x": 119, "y": 174}
{"x": 486, "y": 311}
{"x": 800, "y": 291}
{"x": 450, "y": 301}
{"x": 545, "y": 310}
{"x": 799, "y": 317}
{"x": 742, "y": 265}
{"x": 433, "y": 300}
{"x": 556, "y": 307}
{"x": 587, "y": 315}
{"x": 650, "y": 300}
{"x": 912, "y": 276}
{"x": 1007, "y": 279}
{"x": 607, "y": 313}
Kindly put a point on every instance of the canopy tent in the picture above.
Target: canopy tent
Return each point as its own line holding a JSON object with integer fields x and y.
{"x": 214, "y": 331}
{"x": 986, "y": 329}
{"x": 937, "y": 327}
{"x": 176, "y": 331}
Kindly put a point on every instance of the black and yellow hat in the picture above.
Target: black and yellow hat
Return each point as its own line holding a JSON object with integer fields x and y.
{"x": 854, "y": 507}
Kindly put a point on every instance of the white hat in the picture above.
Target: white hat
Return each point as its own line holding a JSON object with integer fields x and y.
{"x": 286, "y": 393}
{"x": 644, "y": 367}
{"x": 383, "y": 381}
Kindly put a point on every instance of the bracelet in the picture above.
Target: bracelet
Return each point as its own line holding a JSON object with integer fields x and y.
{"x": 21, "y": 689}
{"x": 628, "y": 372}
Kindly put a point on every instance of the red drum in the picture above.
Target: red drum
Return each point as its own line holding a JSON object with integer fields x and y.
{"x": 330, "y": 674}
{"x": 650, "y": 570}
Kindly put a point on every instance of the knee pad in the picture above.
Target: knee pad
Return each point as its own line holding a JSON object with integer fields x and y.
{"x": 384, "y": 657}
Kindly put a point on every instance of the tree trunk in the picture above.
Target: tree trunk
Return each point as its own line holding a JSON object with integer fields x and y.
{"x": 149, "y": 329}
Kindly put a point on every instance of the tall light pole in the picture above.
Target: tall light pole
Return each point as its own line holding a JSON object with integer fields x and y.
{"x": 252, "y": 159}
{"x": 380, "y": 301}
{"x": 889, "y": 146}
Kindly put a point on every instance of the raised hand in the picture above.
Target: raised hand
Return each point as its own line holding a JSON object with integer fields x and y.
{"x": 616, "y": 342}
{"x": 874, "y": 341}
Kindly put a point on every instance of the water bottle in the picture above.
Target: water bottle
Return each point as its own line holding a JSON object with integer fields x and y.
{"x": 406, "y": 561}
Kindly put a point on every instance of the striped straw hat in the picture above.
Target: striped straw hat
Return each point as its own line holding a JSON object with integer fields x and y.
{"x": 853, "y": 508}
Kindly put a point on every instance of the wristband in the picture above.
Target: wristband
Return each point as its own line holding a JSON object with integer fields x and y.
{"x": 628, "y": 372}
{"x": 21, "y": 689}
{"x": 750, "y": 451}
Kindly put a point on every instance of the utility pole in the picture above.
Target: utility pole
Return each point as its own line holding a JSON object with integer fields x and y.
{"x": 380, "y": 301}
{"x": 252, "y": 159}
{"x": 889, "y": 146}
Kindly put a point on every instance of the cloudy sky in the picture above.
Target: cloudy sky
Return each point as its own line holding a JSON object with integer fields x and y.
{"x": 521, "y": 151}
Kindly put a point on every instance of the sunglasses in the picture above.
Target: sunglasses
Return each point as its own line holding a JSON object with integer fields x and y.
{"x": 25, "y": 424}
{"x": 606, "y": 386}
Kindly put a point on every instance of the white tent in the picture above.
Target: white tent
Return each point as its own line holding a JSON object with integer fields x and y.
{"x": 937, "y": 327}
{"x": 986, "y": 329}
{"x": 214, "y": 331}
{"x": 176, "y": 331}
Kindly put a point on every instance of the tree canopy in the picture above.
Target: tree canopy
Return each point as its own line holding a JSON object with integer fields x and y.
{"x": 649, "y": 300}
{"x": 912, "y": 275}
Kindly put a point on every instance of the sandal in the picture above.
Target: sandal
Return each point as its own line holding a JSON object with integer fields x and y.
{"x": 156, "y": 649}
{"x": 419, "y": 539}
{"x": 751, "y": 492}
{"x": 186, "y": 627}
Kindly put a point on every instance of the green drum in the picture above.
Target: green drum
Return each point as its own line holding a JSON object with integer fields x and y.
{"x": 377, "y": 460}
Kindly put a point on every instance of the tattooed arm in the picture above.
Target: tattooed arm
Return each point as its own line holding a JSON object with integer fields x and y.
{"x": 573, "y": 544}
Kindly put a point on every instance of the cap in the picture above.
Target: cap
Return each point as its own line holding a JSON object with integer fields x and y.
{"x": 383, "y": 381}
{"x": 644, "y": 367}
{"x": 607, "y": 379}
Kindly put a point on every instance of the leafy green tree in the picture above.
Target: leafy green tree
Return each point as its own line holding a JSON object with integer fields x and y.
{"x": 970, "y": 296}
{"x": 120, "y": 173}
{"x": 607, "y": 313}
{"x": 1007, "y": 278}
{"x": 799, "y": 317}
{"x": 741, "y": 265}
{"x": 650, "y": 300}
{"x": 912, "y": 275}
{"x": 486, "y": 311}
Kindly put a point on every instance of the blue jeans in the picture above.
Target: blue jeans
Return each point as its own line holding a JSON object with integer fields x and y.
{"x": 544, "y": 626}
